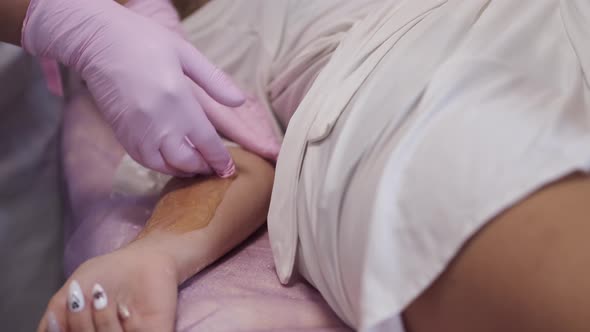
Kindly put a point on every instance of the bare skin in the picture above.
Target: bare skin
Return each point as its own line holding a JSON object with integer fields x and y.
{"x": 243, "y": 207}
{"x": 528, "y": 270}
{"x": 186, "y": 206}
{"x": 195, "y": 222}
{"x": 12, "y": 14}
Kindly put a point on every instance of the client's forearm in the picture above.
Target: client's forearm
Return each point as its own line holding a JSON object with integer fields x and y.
{"x": 197, "y": 221}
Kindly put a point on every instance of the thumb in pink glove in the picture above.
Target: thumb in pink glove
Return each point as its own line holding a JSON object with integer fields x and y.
{"x": 135, "y": 69}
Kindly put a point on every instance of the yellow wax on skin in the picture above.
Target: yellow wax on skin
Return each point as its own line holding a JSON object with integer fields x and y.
{"x": 188, "y": 205}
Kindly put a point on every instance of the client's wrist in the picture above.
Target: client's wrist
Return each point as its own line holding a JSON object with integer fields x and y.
{"x": 172, "y": 250}
{"x": 162, "y": 249}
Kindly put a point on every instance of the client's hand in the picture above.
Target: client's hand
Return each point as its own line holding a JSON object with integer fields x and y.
{"x": 131, "y": 289}
{"x": 194, "y": 223}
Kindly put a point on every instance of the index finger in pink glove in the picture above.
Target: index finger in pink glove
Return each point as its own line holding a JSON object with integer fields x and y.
{"x": 210, "y": 78}
{"x": 249, "y": 125}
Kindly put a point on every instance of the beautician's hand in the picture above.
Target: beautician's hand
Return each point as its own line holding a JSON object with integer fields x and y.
{"x": 140, "y": 75}
{"x": 249, "y": 124}
{"x": 138, "y": 281}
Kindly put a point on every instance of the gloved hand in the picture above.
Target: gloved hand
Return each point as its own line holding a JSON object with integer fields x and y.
{"x": 249, "y": 125}
{"x": 140, "y": 75}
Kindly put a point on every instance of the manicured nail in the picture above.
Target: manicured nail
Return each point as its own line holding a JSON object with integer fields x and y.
{"x": 52, "y": 324}
{"x": 123, "y": 311}
{"x": 229, "y": 171}
{"x": 99, "y": 297}
{"x": 75, "y": 297}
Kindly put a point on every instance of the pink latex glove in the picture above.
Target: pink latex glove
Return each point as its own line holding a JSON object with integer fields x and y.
{"x": 140, "y": 75}
{"x": 250, "y": 124}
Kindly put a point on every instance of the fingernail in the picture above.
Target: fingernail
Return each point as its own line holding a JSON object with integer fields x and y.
{"x": 52, "y": 324}
{"x": 99, "y": 297}
{"x": 229, "y": 171}
{"x": 123, "y": 311}
{"x": 75, "y": 297}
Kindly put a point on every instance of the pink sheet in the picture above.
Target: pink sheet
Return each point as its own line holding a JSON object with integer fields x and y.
{"x": 239, "y": 293}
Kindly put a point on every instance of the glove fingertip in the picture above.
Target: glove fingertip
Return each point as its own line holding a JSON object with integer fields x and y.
{"x": 229, "y": 171}
{"x": 224, "y": 90}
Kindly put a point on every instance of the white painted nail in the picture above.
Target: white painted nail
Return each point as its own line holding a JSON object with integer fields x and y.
{"x": 52, "y": 324}
{"x": 99, "y": 297}
{"x": 123, "y": 311}
{"x": 75, "y": 297}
